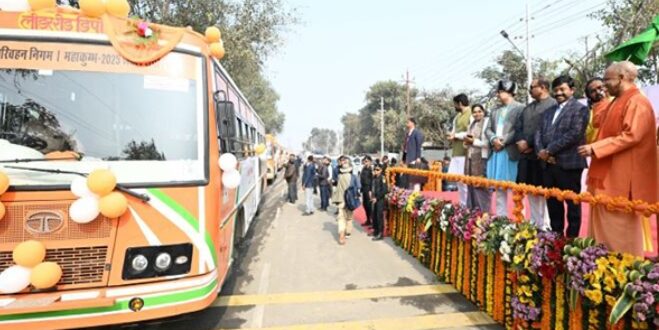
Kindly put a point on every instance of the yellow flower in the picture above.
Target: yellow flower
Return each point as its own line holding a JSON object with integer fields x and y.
{"x": 610, "y": 300}
{"x": 518, "y": 259}
{"x": 594, "y": 296}
{"x": 524, "y": 278}
{"x": 628, "y": 259}
{"x": 609, "y": 283}
{"x": 526, "y": 290}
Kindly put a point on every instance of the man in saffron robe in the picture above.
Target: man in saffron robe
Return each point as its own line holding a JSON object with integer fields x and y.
{"x": 623, "y": 160}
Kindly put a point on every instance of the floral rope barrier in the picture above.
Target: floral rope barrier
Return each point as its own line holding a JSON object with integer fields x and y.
{"x": 519, "y": 190}
{"x": 523, "y": 277}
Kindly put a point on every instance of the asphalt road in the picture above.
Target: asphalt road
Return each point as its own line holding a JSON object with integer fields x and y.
{"x": 292, "y": 274}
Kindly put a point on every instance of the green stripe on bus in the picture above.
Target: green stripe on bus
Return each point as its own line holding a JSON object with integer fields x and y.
{"x": 189, "y": 218}
{"x": 120, "y": 305}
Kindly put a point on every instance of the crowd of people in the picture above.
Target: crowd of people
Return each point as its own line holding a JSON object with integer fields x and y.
{"x": 550, "y": 142}
{"x": 336, "y": 183}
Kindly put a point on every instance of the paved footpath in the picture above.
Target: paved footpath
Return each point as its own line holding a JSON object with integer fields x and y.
{"x": 293, "y": 275}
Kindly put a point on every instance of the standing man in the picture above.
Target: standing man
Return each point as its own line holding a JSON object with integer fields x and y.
{"x": 623, "y": 160}
{"x": 366, "y": 180}
{"x": 562, "y": 131}
{"x": 377, "y": 199}
{"x": 529, "y": 169}
{"x": 385, "y": 165}
{"x": 291, "y": 174}
{"x": 460, "y": 126}
{"x": 502, "y": 165}
{"x": 308, "y": 178}
{"x": 598, "y": 101}
{"x": 324, "y": 173}
{"x": 344, "y": 180}
{"x": 412, "y": 149}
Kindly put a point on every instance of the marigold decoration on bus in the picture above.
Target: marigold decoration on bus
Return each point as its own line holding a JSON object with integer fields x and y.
{"x": 96, "y": 196}
{"x": 29, "y": 269}
{"x": 4, "y": 185}
{"x": 42, "y": 4}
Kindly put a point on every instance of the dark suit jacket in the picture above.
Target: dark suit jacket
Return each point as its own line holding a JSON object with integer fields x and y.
{"x": 562, "y": 138}
{"x": 412, "y": 150}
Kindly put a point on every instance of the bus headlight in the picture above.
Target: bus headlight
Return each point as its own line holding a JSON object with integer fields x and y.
{"x": 140, "y": 263}
{"x": 163, "y": 261}
{"x": 156, "y": 261}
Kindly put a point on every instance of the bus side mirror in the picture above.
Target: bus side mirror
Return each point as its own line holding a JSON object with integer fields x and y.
{"x": 225, "y": 117}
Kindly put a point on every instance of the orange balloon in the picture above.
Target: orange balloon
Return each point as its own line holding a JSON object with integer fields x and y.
{"x": 4, "y": 183}
{"x": 2, "y": 211}
{"x": 213, "y": 34}
{"x": 29, "y": 253}
{"x": 45, "y": 275}
{"x": 217, "y": 50}
{"x": 114, "y": 205}
{"x": 119, "y": 8}
{"x": 62, "y": 155}
{"x": 92, "y": 8}
{"x": 42, "y": 4}
{"x": 101, "y": 182}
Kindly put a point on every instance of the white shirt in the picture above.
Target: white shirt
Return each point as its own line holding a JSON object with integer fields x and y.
{"x": 558, "y": 112}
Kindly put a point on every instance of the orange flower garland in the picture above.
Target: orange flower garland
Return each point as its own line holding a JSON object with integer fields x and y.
{"x": 547, "y": 288}
{"x": 612, "y": 203}
{"x": 499, "y": 288}
{"x": 466, "y": 273}
{"x": 480, "y": 284}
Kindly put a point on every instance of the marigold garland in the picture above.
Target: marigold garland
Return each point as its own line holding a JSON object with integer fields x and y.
{"x": 499, "y": 288}
{"x": 559, "y": 313}
{"x": 489, "y": 287}
{"x": 480, "y": 283}
{"x": 466, "y": 272}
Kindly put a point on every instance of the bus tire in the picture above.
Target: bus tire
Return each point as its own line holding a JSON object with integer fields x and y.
{"x": 238, "y": 229}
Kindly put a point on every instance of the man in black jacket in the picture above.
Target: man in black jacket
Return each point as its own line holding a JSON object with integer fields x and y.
{"x": 291, "y": 175}
{"x": 366, "y": 180}
{"x": 324, "y": 183}
{"x": 377, "y": 198}
{"x": 561, "y": 132}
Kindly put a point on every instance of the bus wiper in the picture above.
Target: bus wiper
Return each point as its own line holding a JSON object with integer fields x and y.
{"x": 33, "y": 160}
{"x": 120, "y": 187}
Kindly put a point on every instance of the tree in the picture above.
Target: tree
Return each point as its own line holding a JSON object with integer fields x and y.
{"x": 512, "y": 66}
{"x": 351, "y": 131}
{"x": 142, "y": 151}
{"x": 321, "y": 141}
{"x": 625, "y": 19}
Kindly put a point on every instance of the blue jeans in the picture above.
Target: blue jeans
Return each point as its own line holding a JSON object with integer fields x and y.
{"x": 308, "y": 194}
{"x": 324, "y": 196}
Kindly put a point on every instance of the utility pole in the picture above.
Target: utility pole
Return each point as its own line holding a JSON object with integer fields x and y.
{"x": 529, "y": 68}
{"x": 381, "y": 127}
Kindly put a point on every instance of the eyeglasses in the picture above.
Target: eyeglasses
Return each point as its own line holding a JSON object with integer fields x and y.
{"x": 533, "y": 86}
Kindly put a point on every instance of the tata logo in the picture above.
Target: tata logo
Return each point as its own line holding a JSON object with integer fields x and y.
{"x": 44, "y": 222}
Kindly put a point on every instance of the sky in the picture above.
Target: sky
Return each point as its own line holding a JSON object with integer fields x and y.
{"x": 342, "y": 47}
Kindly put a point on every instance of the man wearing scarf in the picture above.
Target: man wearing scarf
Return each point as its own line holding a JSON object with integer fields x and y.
{"x": 623, "y": 160}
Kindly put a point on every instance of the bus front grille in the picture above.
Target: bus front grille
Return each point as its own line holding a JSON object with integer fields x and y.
{"x": 81, "y": 266}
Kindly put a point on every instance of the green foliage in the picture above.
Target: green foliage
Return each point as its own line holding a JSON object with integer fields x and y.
{"x": 322, "y": 141}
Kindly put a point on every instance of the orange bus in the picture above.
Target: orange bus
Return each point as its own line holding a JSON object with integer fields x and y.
{"x": 66, "y": 85}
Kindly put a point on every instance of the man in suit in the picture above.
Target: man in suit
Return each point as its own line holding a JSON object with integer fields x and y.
{"x": 412, "y": 147}
{"x": 308, "y": 177}
{"x": 502, "y": 165}
{"x": 561, "y": 132}
{"x": 366, "y": 180}
{"x": 529, "y": 169}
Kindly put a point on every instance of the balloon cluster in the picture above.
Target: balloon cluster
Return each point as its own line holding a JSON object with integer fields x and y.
{"x": 96, "y": 8}
{"x": 96, "y": 196}
{"x": 29, "y": 268}
{"x": 4, "y": 185}
{"x": 231, "y": 176}
{"x": 215, "y": 43}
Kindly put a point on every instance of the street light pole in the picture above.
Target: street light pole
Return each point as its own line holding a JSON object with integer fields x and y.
{"x": 381, "y": 127}
{"x": 529, "y": 67}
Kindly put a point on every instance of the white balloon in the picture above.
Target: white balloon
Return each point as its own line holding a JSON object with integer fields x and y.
{"x": 14, "y": 5}
{"x": 84, "y": 210}
{"x": 231, "y": 179}
{"x": 14, "y": 279}
{"x": 80, "y": 189}
{"x": 228, "y": 162}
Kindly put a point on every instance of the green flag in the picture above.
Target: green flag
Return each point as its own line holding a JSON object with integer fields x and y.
{"x": 637, "y": 48}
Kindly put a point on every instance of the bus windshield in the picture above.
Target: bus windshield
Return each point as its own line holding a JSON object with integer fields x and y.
{"x": 145, "y": 124}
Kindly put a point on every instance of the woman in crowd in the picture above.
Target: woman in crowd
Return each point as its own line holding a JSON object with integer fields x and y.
{"x": 478, "y": 149}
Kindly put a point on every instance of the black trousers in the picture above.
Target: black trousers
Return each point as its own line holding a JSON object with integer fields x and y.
{"x": 324, "y": 196}
{"x": 556, "y": 177}
{"x": 292, "y": 191}
{"x": 378, "y": 218}
{"x": 368, "y": 207}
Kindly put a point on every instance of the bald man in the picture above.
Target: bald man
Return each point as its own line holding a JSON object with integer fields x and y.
{"x": 623, "y": 160}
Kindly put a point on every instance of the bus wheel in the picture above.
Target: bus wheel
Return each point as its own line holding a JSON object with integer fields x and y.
{"x": 238, "y": 229}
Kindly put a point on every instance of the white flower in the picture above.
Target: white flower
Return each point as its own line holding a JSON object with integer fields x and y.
{"x": 148, "y": 33}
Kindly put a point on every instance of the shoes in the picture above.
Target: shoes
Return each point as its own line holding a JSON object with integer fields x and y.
{"x": 348, "y": 235}
{"x": 377, "y": 238}
{"x": 291, "y": 203}
{"x": 306, "y": 214}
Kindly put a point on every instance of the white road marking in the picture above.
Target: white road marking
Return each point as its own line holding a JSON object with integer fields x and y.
{"x": 264, "y": 282}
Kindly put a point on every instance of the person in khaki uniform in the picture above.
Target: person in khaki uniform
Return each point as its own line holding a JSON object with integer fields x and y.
{"x": 344, "y": 217}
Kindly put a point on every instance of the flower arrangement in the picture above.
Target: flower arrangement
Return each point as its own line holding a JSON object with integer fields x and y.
{"x": 462, "y": 222}
{"x": 523, "y": 242}
{"x": 144, "y": 33}
{"x": 492, "y": 233}
{"x": 641, "y": 293}
{"x": 546, "y": 257}
{"x": 447, "y": 213}
{"x": 525, "y": 302}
